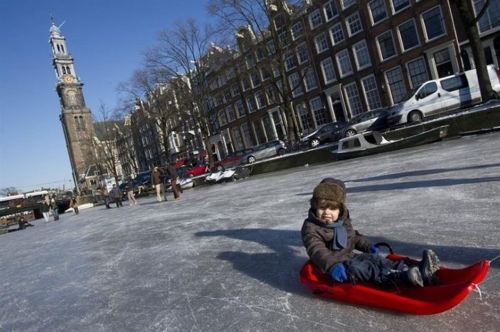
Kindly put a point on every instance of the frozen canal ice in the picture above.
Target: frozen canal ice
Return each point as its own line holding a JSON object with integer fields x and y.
{"x": 226, "y": 257}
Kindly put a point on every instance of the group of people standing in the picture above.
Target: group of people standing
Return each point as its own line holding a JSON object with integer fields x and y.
{"x": 50, "y": 207}
{"x": 156, "y": 181}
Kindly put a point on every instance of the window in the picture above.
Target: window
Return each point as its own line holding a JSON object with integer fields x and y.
{"x": 319, "y": 111}
{"x": 264, "y": 72}
{"x": 354, "y": 24}
{"x": 344, "y": 63}
{"x": 418, "y": 72}
{"x": 295, "y": 86}
{"x": 227, "y": 95}
{"x": 361, "y": 55}
{"x": 261, "y": 54}
{"x": 261, "y": 99}
{"x": 271, "y": 48}
{"x": 250, "y": 61}
{"x": 386, "y": 45}
{"x": 408, "y": 35}
{"x": 315, "y": 19}
{"x": 347, "y": 3}
{"x": 330, "y": 11}
{"x": 310, "y": 79}
{"x": 396, "y": 84}
{"x": 399, "y": 5}
{"x": 427, "y": 90}
{"x": 455, "y": 83}
{"x": 433, "y": 23}
{"x": 252, "y": 106}
{"x": 302, "y": 53}
{"x": 303, "y": 116}
{"x": 337, "y": 33}
{"x": 222, "y": 118}
{"x": 271, "y": 95}
{"x": 237, "y": 138}
{"x": 235, "y": 90}
{"x": 240, "y": 108}
{"x": 284, "y": 38}
{"x": 370, "y": 90}
{"x": 297, "y": 30}
{"x": 491, "y": 18}
{"x": 231, "y": 115}
{"x": 255, "y": 79}
{"x": 321, "y": 43}
{"x": 355, "y": 105}
{"x": 289, "y": 61}
{"x": 443, "y": 62}
{"x": 245, "y": 82}
{"x": 328, "y": 71}
{"x": 378, "y": 12}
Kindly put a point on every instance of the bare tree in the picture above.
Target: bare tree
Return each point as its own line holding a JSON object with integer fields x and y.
{"x": 469, "y": 21}
{"x": 271, "y": 21}
{"x": 9, "y": 191}
{"x": 150, "y": 89}
{"x": 105, "y": 156}
{"x": 180, "y": 57}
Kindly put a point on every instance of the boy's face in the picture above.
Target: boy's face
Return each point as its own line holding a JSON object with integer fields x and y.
{"x": 327, "y": 215}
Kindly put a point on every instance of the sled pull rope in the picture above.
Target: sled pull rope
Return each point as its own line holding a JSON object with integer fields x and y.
{"x": 491, "y": 261}
{"x": 477, "y": 289}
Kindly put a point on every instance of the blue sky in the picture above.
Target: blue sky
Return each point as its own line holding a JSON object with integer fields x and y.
{"x": 107, "y": 39}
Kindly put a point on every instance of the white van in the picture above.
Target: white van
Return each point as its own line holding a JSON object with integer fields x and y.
{"x": 441, "y": 95}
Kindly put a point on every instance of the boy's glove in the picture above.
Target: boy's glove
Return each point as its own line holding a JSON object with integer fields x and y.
{"x": 338, "y": 273}
{"x": 374, "y": 250}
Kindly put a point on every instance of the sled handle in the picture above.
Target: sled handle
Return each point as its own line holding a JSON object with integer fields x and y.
{"x": 384, "y": 244}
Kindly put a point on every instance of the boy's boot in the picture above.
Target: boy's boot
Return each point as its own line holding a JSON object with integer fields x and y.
{"x": 428, "y": 266}
{"x": 410, "y": 277}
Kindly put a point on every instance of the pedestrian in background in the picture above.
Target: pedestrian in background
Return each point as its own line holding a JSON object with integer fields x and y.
{"x": 46, "y": 208}
{"x": 116, "y": 195}
{"x": 73, "y": 203}
{"x": 55, "y": 208}
{"x": 130, "y": 192}
{"x": 157, "y": 184}
{"x": 172, "y": 172}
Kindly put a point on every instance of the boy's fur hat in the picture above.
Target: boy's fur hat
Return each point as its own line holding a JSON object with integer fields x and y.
{"x": 330, "y": 189}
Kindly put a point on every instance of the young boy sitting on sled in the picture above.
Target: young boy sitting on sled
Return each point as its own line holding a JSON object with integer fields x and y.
{"x": 330, "y": 239}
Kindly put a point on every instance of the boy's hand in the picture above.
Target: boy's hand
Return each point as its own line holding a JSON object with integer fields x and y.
{"x": 338, "y": 273}
{"x": 374, "y": 250}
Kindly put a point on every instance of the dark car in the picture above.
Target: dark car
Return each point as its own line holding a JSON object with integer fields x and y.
{"x": 371, "y": 120}
{"x": 262, "y": 151}
{"x": 330, "y": 132}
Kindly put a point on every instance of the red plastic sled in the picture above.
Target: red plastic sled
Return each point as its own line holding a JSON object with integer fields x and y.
{"x": 454, "y": 285}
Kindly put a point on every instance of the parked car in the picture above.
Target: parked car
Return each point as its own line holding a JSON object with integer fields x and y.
{"x": 442, "y": 94}
{"x": 371, "y": 120}
{"x": 196, "y": 170}
{"x": 330, "y": 132}
{"x": 232, "y": 160}
{"x": 262, "y": 151}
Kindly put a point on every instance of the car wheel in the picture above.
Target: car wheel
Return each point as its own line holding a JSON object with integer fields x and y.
{"x": 251, "y": 159}
{"x": 350, "y": 132}
{"x": 220, "y": 168}
{"x": 281, "y": 152}
{"x": 314, "y": 142}
{"x": 415, "y": 117}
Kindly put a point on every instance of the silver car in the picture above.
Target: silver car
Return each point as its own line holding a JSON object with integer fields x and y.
{"x": 266, "y": 150}
{"x": 371, "y": 120}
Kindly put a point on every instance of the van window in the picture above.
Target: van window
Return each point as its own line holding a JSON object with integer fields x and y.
{"x": 427, "y": 90}
{"x": 455, "y": 83}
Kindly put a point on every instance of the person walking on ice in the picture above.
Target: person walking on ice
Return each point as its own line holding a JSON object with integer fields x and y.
{"x": 330, "y": 239}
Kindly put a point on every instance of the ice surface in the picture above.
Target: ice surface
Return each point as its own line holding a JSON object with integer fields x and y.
{"x": 226, "y": 256}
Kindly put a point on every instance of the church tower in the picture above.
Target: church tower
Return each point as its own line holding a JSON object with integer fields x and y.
{"x": 76, "y": 118}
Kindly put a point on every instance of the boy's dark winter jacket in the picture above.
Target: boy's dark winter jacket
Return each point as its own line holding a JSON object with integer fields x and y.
{"x": 318, "y": 238}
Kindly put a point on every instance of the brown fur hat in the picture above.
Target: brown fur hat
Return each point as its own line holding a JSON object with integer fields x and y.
{"x": 330, "y": 189}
